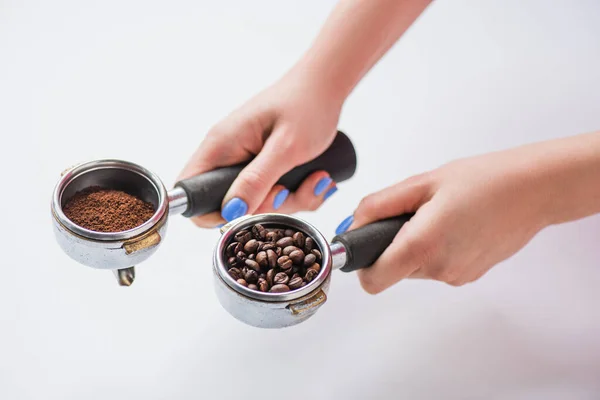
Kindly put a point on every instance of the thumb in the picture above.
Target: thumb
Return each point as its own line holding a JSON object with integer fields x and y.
{"x": 254, "y": 183}
{"x": 413, "y": 248}
{"x": 404, "y": 197}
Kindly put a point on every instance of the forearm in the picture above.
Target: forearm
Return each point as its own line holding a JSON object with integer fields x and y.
{"x": 569, "y": 171}
{"x": 355, "y": 36}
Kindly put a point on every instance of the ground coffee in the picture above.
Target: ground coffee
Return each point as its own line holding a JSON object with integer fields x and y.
{"x": 105, "y": 210}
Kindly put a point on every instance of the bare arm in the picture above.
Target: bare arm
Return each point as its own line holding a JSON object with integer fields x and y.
{"x": 355, "y": 36}
{"x": 295, "y": 119}
{"x": 476, "y": 212}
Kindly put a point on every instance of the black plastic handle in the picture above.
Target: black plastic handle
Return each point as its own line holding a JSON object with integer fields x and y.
{"x": 206, "y": 191}
{"x": 364, "y": 245}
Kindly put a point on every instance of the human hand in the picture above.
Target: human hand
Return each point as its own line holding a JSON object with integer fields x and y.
{"x": 288, "y": 124}
{"x": 474, "y": 213}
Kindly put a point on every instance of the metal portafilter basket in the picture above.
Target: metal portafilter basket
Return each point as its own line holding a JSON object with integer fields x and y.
{"x": 199, "y": 195}
{"x": 347, "y": 252}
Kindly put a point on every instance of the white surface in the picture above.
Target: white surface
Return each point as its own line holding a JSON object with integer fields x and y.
{"x": 143, "y": 81}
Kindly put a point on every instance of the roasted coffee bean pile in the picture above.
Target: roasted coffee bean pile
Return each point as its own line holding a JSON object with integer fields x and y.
{"x": 272, "y": 259}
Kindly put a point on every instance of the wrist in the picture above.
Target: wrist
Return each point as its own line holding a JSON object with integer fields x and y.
{"x": 567, "y": 173}
{"x": 330, "y": 85}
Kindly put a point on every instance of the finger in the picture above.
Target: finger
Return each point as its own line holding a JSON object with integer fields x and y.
{"x": 406, "y": 196}
{"x": 418, "y": 274}
{"x": 219, "y": 149}
{"x": 413, "y": 248}
{"x": 215, "y": 151}
{"x": 254, "y": 183}
{"x": 221, "y": 145}
{"x": 311, "y": 194}
{"x": 211, "y": 220}
{"x": 274, "y": 200}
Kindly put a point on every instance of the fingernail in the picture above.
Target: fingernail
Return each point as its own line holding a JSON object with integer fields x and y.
{"x": 330, "y": 192}
{"x": 322, "y": 185}
{"x": 343, "y": 227}
{"x": 280, "y": 198}
{"x": 234, "y": 208}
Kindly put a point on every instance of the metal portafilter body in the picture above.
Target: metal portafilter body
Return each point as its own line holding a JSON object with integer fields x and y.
{"x": 198, "y": 195}
{"x": 348, "y": 252}
{"x": 110, "y": 250}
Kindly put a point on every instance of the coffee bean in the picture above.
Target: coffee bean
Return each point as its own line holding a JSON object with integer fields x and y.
{"x": 243, "y": 237}
{"x": 295, "y": 282}
{"x": 234, "y": 248}
{"x": 242, "y": 282}
{"x": 251, "y": 246}
{"x": 262, "y": 275}
{"x": 259, "y": 232}
{"x": 290, "y": 272}
{"x": 289, "y": 233}
{"x": 299, "y": 239}
{"x": 232, "y": 261}
{"x": 309, "y": 244}
{"x": 284, "y": 262}
{"x": 271, "y": 259}
{"x": 289, "y": 249}
{"x": 241, "y": 257}
{"x": 252, "y": 286}
{"x": 315, "y": 266}
{"x": 235, "y": 273}
{"x": 279, "y": 289}
{"x": 263, "y": 286}
{"x": 253, "y": 265}
{"x": 268, "y": 246}
{"x": 285, "y": 242}
{"x": 273, "y": 236}
{"x": 281, "y": 278}
{"x": 278, "y": 251}
{"x": 303, "y": 284}
{"x": 270, "y": 237}
{"x": 261, "y": 259}
{"x": 310, "y": 275}
{"x": 317, "y": 254}
{"x": 261, "y": 246}
{"x": 297, "y": 256}
{"x": 270, "y": 275}
{"x": 251, "y": 276}
{"x": 309, "y": 260}
{"x": 252, "y": 256}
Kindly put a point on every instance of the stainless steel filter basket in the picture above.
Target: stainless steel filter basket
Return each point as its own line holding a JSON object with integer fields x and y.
{"x": 348, "y": 252}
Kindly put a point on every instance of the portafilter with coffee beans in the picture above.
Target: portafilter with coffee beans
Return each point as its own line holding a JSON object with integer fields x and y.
{"x": 288, "y": 282}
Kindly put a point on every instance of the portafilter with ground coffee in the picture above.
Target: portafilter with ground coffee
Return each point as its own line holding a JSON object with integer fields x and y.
{"x": 121, "y": 251}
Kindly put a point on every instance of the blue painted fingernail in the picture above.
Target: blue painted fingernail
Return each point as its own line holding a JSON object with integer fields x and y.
{"x": 330, "y": 192}
{"x": 322, "y": 185}
{"x": 234, "y": 208}
{"x": 343, "y": 227}
{"x": 280, "y": 198}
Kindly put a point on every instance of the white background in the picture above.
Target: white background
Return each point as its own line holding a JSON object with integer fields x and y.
{"x": 144, "y": 80}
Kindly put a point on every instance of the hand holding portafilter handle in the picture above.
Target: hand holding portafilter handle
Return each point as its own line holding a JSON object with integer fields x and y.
{"x": 205, "y": 192}
{"x": 364, "y": 245}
